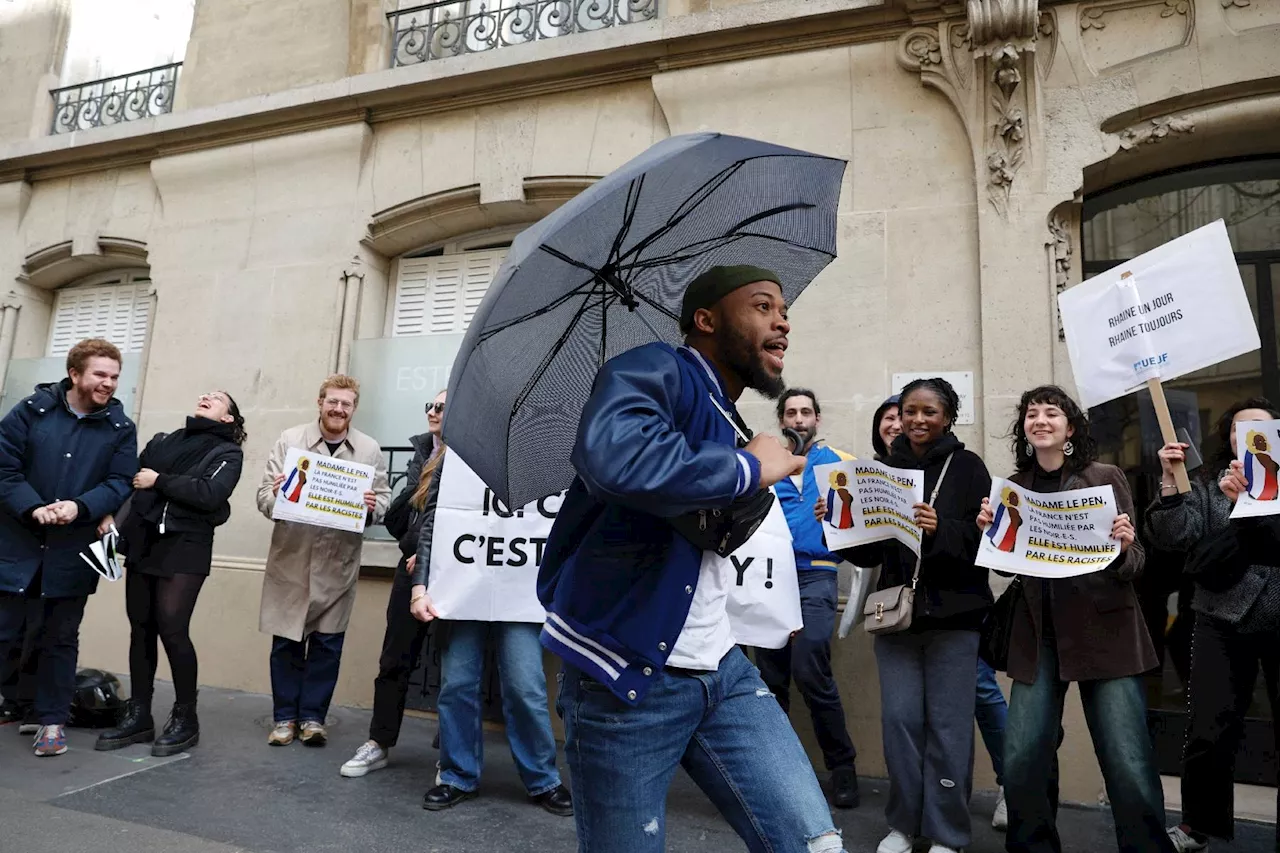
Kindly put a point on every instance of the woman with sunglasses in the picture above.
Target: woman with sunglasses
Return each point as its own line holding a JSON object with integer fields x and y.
{"x": 402, "y": 641}
{"x": 181, "y": 494}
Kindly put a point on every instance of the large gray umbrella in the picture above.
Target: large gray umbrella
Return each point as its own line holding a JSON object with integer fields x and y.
{"x": 607, "y": 272}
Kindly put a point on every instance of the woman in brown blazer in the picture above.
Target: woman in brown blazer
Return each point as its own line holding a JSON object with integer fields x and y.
{"x": 1087, "y": 629}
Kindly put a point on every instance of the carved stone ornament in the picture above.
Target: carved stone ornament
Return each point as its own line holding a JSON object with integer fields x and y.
{"x": 1227, "y": 4}
{"x": 1059, "y": 245}
{"x": 993, "y": 21}
{"x": 1154, "y": 131}
{"x": 1092, "y": 17}
{"x": 982, "y": 66}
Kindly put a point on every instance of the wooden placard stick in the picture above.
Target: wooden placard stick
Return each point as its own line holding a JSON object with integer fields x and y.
{"x": 1167, "y": 430}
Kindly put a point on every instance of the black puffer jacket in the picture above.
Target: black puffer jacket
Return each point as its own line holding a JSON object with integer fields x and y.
{"x": 402, "y": 520}
{"x": 191, "y": 503}
{"x": 953, "y": 593}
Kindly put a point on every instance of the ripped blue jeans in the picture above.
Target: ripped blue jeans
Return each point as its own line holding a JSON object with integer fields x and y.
{"x": 728, "y": 733}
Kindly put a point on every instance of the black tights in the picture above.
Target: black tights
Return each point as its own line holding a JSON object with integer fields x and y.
{"x": 160, "y": 608}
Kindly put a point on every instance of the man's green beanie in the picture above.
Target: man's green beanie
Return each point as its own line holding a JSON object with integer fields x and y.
{"x": 717, "y": 283}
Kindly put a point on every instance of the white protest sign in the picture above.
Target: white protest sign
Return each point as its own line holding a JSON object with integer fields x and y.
{"x": 1057, "y": 535}
{"x": 764, "y": 593}
{"x": 321, "y": 490}
{"x": 869, "y": 502}
{"x": 485, "y": 556}
{"x": 1166, "y": 313}
{"x": 961, "y": 380}
{"x": 1258, "y": 443}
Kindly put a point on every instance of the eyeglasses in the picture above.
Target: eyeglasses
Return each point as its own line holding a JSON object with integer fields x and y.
{"x": 438, "y": 408}
{"x": 334, "y": 402}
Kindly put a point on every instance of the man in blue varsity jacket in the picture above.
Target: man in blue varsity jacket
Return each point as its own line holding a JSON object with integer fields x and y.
{"x": 652, "y": 678}
{"x": 808, "y": 657}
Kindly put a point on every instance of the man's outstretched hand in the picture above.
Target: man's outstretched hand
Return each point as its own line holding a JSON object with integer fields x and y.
{"x": 776, "y": 461}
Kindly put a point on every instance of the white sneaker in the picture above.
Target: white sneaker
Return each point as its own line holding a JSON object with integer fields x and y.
{"x": 368, "y": 758}
{"x": 1183, "y": 842}
{"x": 1000, "y": 817}
{"x": 895, "y": 842}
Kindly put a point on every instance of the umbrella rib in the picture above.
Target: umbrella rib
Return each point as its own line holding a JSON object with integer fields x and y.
{"x": 536, "y": 376}
{"x": 628, "y": 218}
{"x": 687, "y": 207}
{"x": 715, "y": 243}
{"x": 537, "y": 312}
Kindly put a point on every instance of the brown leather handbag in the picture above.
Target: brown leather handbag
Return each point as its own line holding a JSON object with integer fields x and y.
{"x": 889, "y": 610}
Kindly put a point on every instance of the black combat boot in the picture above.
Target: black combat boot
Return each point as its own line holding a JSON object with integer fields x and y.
{"x": 181, "y": 732}
{"x": 135, "y": 726}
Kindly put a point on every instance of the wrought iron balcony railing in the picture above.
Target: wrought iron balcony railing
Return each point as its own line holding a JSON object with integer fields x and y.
{"x": 455, "y": 27}
{"x": 129, "y": 97}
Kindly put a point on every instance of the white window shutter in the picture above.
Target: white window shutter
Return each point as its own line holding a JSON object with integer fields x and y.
{"x": 117, "y": 312}
{"x": 482, "y": 267}
{"x": 446, "y": 288}
{"x": 411, "y": 296}
{"x": 440, "y": 295}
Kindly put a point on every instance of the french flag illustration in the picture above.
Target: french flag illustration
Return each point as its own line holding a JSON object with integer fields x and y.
{"x": 842, "y": 518}
{"x": 1263, "y": 485}
{"x": 1002, "y": 532}
{"x": 293, "y": 487}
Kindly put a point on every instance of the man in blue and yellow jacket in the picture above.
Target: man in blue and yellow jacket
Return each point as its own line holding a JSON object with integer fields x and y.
{"x": 808, "y": 657}
{"x": 652, "y": 679}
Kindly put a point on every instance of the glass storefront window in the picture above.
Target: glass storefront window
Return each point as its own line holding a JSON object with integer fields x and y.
{"x": 1117, "y": 226}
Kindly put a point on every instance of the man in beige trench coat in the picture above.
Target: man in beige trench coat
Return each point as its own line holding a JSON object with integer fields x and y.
{"x": 309, "y": 585}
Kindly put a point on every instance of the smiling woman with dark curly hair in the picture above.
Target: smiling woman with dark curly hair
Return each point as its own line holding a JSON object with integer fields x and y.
{"x": 1087, "y": 629}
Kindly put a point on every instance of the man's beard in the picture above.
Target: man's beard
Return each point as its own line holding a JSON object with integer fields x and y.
{"x": 745, "y": 359}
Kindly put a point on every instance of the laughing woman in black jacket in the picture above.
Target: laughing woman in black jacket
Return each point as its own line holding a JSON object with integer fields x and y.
{"x": 927, "y": 672}
{"x": 182, "y": 493}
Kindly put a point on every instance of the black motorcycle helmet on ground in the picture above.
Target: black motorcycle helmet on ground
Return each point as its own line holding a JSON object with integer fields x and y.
{"x": 97, "y": 700}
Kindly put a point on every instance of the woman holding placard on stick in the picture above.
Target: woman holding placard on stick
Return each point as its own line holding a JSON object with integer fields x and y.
{"x": 1237, "y": 620}
{"x": 1087, "y": 629}
{"x": 927, "y": 670}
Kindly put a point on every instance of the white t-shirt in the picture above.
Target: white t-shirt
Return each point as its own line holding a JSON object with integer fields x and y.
{"x": 707, "y": 635}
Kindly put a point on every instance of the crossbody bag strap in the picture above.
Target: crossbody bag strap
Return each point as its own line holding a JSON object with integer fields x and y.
{"x": 933, "y": 499}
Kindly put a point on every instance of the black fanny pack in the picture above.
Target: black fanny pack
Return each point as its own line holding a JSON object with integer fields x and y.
{"x": 725, "y": 530}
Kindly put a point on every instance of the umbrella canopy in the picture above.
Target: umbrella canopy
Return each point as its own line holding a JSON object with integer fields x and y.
{"x": 607, "y": 272}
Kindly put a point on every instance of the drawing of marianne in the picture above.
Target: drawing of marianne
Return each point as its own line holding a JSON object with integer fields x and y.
{"x": 1003, "y": 531}
{"x": 297, "y": 478}
{"x": 840, "y": 518}
{"x": 1260, "y": 469}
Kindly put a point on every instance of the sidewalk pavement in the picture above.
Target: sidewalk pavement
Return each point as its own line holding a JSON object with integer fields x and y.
{"x": 235, "y": 794}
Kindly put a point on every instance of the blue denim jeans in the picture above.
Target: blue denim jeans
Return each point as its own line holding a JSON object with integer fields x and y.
{"x": 1116, "y": 711}
{"x": 724, "y": 728}
{"x": 927, "y": 697}
{"x": 991, "y": 713}
{"x": 55, "y": 650}
{"x": 524, "y": 704}
{"x": 807, "y": 658}
{"x": 304, "y": 675}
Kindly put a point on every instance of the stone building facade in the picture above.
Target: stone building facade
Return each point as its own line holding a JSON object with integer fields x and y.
{"x": 326, "y": 185}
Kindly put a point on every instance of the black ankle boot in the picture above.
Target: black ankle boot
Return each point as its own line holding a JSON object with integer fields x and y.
{"x": 181, "y": 732}
{"x": 136, "y": 726}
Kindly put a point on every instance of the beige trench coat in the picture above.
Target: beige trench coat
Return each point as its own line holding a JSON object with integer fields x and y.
{"x": 310, "y": 581}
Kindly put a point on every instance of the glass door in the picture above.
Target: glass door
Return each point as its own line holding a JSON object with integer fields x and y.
{"x": 1117, "y": 226}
